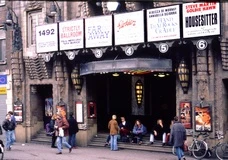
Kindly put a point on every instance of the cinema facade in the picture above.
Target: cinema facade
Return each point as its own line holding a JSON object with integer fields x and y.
{"x": 145, "y": 63}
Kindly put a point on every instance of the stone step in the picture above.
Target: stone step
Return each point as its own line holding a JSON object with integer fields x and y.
{"x": 100, "y": 139}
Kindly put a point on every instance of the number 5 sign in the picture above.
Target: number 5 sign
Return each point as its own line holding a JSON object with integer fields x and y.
{"x": 47, "y": 38}
{"x": 163, "y": 47}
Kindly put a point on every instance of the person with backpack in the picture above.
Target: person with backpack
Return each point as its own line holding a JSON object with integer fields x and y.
{"x": 9, "y": 126}
{"x": 73, "y": 129}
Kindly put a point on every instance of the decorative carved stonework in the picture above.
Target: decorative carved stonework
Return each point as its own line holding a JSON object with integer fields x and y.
{"x": 202, "y": 87}
{"x": 85, "y": 8}
{"x": 79, "y": 9}
{"x": 105, "y": 8}
{"x": 33, "y": 5}
{"x": 224, "y": 53}
{"x": 130, "y": 6}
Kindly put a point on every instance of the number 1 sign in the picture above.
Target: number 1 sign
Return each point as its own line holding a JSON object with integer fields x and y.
{"x": 46, "y": 38}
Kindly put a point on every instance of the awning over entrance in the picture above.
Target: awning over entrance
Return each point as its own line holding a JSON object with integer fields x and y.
{"x": 125, "y": 65}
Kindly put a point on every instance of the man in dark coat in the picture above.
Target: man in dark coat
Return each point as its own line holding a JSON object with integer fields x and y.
{"x": 178, "y": 137}
{"x": 8, "y": 125}
{"x": 73, "y": 129}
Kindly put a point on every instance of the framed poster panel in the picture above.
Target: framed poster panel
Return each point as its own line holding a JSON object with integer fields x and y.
{"x": 163, "y": 23}
{"x": 79, "y": 112}
{"x": 203, "y": 120}
{"x": 186, "y": 114}
{"x": 47, "y": 38}
{"x": 92, "y": 110}
{"x": 201, "y": 19}
{"x": 98, "y": 31}
{"x": 18, "y": 112}
{"x": 71, "y": 35}
{"x": 129, "y": 28}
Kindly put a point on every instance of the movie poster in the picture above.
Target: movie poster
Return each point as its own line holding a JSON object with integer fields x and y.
{"x": 203, "y": 121}
{"x": 185, "y": 114}
{"x": 48, "y": 107}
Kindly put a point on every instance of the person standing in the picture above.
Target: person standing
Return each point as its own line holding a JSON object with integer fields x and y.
{"x": 73, "y": 129}
{"x": 52, "y": 130}
{"x": 178, "y": 137}
{"x": 8, "y": 125}
{"x": 114, "y": 129}
{"x": 13, "y": 119}
{"x": 61, "y": 127}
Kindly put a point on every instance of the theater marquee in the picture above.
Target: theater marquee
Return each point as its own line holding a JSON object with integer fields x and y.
{"x": 201, "y": 19}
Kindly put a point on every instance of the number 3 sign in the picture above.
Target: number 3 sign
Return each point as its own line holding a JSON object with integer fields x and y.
{"x": 201, "y": 44}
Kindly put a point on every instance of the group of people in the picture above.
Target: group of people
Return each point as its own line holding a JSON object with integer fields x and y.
{"x": 9, "y": 125}
{"x": 60, "y": 128}
{"x": 175, "y": 134}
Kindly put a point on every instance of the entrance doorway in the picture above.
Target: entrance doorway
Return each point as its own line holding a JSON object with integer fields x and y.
{"x": 42, "y": 103}
{"x": 113, "y": 95}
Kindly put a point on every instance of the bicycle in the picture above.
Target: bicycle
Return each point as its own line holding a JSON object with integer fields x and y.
{"x": 199, "y": 148}
{"x": 221, "y": 148}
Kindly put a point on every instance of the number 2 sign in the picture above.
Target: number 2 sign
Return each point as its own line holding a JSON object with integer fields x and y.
{"x": 46, "y": 38}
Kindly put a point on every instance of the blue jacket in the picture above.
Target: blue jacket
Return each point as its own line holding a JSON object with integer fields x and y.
{"x": 140, "y": 129}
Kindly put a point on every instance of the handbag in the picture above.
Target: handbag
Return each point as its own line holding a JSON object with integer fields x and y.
{"x": 61, "y": 132}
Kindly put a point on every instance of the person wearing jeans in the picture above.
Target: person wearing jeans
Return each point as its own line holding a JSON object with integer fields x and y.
{"x": 61, "y": 126}
{"x": 114, "y": 129}
{"x": 178, "y": 137}
{"x": 9, "y": 126}
{"x": 73, "y": 129}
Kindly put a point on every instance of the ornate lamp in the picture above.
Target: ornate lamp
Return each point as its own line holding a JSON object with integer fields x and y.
{"x": 56, "y": 10}
{"x": 139, "y": 92}
{"x": 17, "y": 38}
{"x": 183, "y": 74}
{"x": 76, "y": 80}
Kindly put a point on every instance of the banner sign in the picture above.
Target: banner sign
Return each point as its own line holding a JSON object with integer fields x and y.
{"x": 3, "y": 79}
{"x": 98, "y": 31}
{"x": 129, "y": 28}
{"x": 201, "y": 19}
{"x": 71, "y": 35}
{"x": 47, "y": 38}
{"x": 163, "y": 23}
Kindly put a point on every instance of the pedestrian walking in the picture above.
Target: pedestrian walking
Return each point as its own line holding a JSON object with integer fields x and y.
{"x": 73, "y": 129}
{"x": 114, "y": 129}
{"x": 61, "y": 127}
{"x": 178, "y": 137}
{"x": 8, "y": 125}
{"x": 13, "y": 119}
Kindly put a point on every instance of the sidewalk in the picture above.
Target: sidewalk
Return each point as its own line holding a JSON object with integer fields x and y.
{"x": 31, "y": 151}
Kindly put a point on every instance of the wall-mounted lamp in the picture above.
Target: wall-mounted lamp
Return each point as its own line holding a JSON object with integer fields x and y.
{"x": 17, "y": 38}
{"x": 139, "y": 92}
{"x": 56, "y": 10}
{"x": 183, "y": 74}
{"x": 76, "y": 80}
{"x": 115, "y": 74}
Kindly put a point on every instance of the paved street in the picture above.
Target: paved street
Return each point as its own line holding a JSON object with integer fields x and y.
{"x": 44, "y": 152}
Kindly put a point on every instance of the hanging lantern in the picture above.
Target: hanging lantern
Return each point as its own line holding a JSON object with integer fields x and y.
{"x": 76, "y": 79}
{"x": 183, "y": 74}
{"x": 139, "y": 92}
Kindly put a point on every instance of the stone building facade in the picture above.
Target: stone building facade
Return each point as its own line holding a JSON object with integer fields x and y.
{"x": 39, "y": 79}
